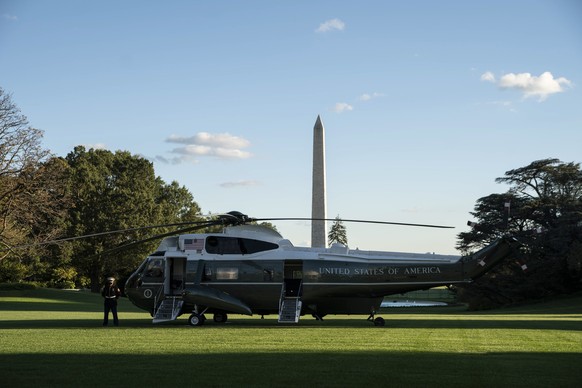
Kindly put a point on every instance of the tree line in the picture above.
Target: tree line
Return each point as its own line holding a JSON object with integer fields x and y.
{"x": 44, "y": 197}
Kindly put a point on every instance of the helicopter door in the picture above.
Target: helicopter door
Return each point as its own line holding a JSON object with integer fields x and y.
{"x": 293, "y": 276}
{"x": 175, "y": 282}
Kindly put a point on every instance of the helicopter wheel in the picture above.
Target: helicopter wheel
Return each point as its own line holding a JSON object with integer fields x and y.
{"x": 220, "y": 317}
{"x": 196, "y": 320}
{"x": 379, "y": 321}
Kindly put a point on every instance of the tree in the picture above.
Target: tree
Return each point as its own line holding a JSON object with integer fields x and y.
{"x": 176, "y": 203}
{"x": 269, "y": 225}
{"x": 20, "y": 157}
{"x": 33, "y": 200}
{"x": 116, "y": 191}
{"x": 545, "y": 203}
{"x": 337, "y": 233}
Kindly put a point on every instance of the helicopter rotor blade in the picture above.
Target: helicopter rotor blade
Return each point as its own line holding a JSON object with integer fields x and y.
{"x": 230, "y": 218}
{"x": 119, "y": 231}
{"x": 351, "y": 220}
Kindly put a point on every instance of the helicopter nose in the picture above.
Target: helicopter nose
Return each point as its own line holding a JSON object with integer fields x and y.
{"x": 133, "y": 281}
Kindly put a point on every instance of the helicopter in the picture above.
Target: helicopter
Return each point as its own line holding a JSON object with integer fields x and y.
{"x": 251, "y": 269}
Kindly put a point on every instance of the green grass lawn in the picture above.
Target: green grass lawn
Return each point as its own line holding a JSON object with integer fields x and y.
{"x": 55, "y": 338}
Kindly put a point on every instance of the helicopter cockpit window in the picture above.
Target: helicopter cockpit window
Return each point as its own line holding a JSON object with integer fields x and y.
{"x": 155, "y": 269}
{"x": 236, "y": 246}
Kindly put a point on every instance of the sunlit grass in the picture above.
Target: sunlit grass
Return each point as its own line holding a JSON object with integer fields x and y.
{"x": 55, "y": 338}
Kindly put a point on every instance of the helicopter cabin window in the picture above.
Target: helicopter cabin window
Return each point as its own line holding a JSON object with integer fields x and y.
{"x": 227, "y": 273}
{"x": 191, "y": 268}
{"x": 155, "y": 269}
{"x": 237, "y": 246}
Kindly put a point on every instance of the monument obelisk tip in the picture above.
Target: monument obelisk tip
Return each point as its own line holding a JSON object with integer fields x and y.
{"x": 318, "y": 123}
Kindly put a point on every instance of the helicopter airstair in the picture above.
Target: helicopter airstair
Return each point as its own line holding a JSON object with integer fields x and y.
{"x": 290, "y": 310}
{"x": 290, "y": 302}
{"x": 168, "y": 310}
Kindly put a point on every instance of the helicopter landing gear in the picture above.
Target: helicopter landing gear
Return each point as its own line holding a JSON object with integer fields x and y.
{"x": 378, "y": 321}
{"x": 196, "y": 319}
{"x": 318, "y": 317}
{"x": 220, "y": 317}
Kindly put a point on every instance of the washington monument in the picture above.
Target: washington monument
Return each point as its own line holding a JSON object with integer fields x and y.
{"x": 318, "y": 205}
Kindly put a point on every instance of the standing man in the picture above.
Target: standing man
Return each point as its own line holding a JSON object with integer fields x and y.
{"x": 111, "y": 293}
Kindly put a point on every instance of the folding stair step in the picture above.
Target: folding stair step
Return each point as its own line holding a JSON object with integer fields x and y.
{"x": 290, "y": 309}
{"x": 168, "y": 310}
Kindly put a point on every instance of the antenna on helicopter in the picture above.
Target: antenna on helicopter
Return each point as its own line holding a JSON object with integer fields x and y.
{"x": 507, "y": 206}
{"x": 506, "y": 215}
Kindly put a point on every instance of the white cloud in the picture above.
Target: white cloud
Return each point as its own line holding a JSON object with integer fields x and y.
{"x": 506, "y": 105}
{"x": 368, "y": 97}
{"x": 10, "y": 17}
{"x": 246, "y": 183}
{"x": 175, "y": 160}
{"x": 531, "y": 86}
{"x": 221, "y": 146}
{"x": 95, "y": 146}
{"x": 488, "y": 76}
{"x": 342, "y": 107}
{"x": 330, "y": 25}
{"x": 219, "y": 152}
{"x": 213, "y": 140}
{"x": 501, "y": 103}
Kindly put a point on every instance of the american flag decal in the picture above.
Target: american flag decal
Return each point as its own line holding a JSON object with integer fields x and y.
{"x": 193, "y": 244}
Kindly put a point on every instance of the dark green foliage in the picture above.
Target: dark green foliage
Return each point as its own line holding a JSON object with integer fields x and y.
{"x": 337, "y": 233}
{"x": 116, "y": 191}
{"x": 546, "y": 216}
{"x": 87, "y": 192}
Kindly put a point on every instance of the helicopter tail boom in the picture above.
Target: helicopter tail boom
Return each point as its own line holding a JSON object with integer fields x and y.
{"x": 482, "y": 261}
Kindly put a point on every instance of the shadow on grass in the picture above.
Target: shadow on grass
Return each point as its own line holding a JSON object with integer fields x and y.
{"x": 77, "y": 303}
{"x": 307, "y": 323}
{"x": 283, "y": 369}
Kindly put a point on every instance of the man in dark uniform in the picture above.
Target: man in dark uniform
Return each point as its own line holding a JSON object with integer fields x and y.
{"x": 111, "y": 293}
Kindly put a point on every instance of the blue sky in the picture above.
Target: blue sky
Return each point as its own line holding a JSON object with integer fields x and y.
{"x": 424, "y": 103}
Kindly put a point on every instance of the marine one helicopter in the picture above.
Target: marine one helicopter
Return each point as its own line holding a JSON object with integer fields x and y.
{"x": 251, "y": 269}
